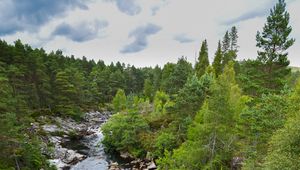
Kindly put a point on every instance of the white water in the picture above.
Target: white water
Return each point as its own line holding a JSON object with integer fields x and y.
{"x": 96, "y": 159}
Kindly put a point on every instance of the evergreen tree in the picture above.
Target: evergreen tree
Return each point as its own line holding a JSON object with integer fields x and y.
{"x": 203, "y": 61}
{"x": 283, "y": 150}
{"x": 119, "y": 101}
{"x": 167, "y": 70}
{"x": 157, "y": 78}
{"x": 226, "y": 43}
{"x": 212, "y": 137}
{"x": 233, "y": 39}
{"x": 123, "y": 132}
{"x": 116, "y": 81}
{"x": 217, "y": 63}
{"x": 229, "y": 47}
{"x": 258, "y": 125}
{"x": 160, "y": 102}
{"x": 174, "y": 76}
{"x": 66, "y": 94}
{"x": 273, "y": 42}
{"x": 148, "y": 89}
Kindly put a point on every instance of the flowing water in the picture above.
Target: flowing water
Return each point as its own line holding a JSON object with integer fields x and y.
{"x": 92, "y": 147}
{"x": 97, "y": 159}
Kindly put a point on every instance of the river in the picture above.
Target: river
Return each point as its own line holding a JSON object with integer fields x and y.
{"x": 97, "y": 159}
{"x": 86, "y": 152}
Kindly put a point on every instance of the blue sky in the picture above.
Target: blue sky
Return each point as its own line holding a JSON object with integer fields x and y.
{"x": 139, "y": 32}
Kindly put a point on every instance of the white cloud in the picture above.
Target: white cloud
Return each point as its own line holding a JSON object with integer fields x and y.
{"x": 197, "y": 19}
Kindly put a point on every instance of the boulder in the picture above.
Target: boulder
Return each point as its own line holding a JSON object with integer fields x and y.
{"x": 125, "y": 155}
{"x": 151, "y": 166}
{"x": 57, "y": 163}
{"x": 72, "y": 157}
{"x": 50, "y": 128}
{"x": 113, "y": 166}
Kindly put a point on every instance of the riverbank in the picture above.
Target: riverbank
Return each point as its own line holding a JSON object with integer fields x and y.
{"x": 57, "y": 135}
{"x": 72, "y": 145}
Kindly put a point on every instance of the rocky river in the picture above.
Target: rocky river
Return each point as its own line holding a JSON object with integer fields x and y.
{"x": 72, "y": 145}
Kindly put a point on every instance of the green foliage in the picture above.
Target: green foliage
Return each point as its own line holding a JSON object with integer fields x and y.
{"x": 161, "y": 102}
{"x": 283, "y": 151}
{"x": 18, "y": 148}
{"x": 165, "y": 141}
{"x": 251, "y": 78}
{"x": 174, "y": 76}
{"x": 68, "y": 86}
{"x": 293, "y": 78}
{"x": 203, "y": 61}
{"x": 259, "y": 123}
{"x": 229, "y": 46}
{"x": 226, "y": 43}
{"x": 122, "y": 133}
{"x": 217, "y": 63}
{"x": 35, "y": 83}
{"x": 184, "y": 118}
{"x": 191, "y": 96}
{"x": 186, "y": 104}
{"x": 273, "y": 42}
{"x": 213, "y": 128}
{"x": 119, "y": 101}
{"x": 148, "y": 89}
{"x": 233, "y": 39}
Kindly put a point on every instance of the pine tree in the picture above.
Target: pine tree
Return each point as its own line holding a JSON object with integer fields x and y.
{"x": 217, "y": 63}
{"x": 228, "y": 55}
{"x": 233, "y": 39}
{"x": 116, "y": 81}
{"x": 203, "y": 61}
{"x": 283, "y": 150}
{"x": 166, "y": 76}
{"x": 273, "y": 42}
{"x": 148, "y": 89}
{"x": 212, "y": 137}
{"x": 226, "y": 43}
{"x": 66, "y": 94}
{"x": 174, "y": 76}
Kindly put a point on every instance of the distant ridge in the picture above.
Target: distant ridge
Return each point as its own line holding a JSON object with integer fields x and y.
{"x": 294, "y": 68}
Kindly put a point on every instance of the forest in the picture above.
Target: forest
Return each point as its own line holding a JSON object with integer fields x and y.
{"x": 220, "y": 114}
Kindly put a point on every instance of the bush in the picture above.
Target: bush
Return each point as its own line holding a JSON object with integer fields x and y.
{"x": 122, "y": 133}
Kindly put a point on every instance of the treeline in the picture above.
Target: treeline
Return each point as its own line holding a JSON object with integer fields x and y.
{"x": 35, "y": 83}
{"x": 65, "y": 85}
{"x": 228, "y": 115}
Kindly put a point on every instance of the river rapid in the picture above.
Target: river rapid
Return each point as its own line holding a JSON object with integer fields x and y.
{"x": 77, "y": 145}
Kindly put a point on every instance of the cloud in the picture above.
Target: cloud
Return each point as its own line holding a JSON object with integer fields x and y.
{"x": 140, "y": 35}
{"x": 247, "y": 16}
{"x": 81, "y": 32}
{"x": 129, "y": 7}
{"x": 183, "y": 38}
{"x": 154, "y": 10}
{"x": 259, "y": 12}
{"x": 20, "y": 15}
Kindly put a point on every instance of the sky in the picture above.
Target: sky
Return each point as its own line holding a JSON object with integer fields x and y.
{"x": 140, "y": 32}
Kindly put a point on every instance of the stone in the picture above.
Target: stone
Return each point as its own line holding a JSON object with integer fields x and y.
{"x": 125, "y": 155}
{"x": 50, "y": 128}
{"x": 152, "y": 166}
{"x": 57, "y": 163}
{"x": 114, "y": 166}
{"x": 72, "y": 157}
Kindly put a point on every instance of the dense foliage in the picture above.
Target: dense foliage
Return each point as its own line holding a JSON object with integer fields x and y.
{"x": 228, "y": 115}
{"x": 35, "y": 83}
